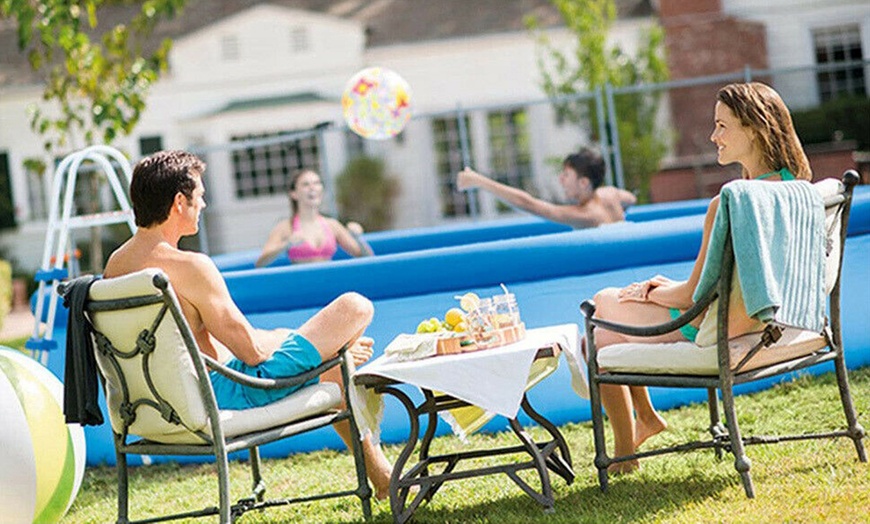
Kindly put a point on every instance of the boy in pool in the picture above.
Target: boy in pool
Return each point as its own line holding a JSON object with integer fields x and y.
{"x": 581, "y": 177}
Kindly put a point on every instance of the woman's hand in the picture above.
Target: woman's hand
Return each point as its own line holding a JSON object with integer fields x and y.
{"x": 355, "y": 228}
{"x": 636, "y": 292}
{"x": 361, "y": 350}
{"x": 640, "y": 291}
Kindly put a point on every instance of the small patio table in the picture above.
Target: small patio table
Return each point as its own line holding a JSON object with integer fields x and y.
{"x": 467, "y": 389}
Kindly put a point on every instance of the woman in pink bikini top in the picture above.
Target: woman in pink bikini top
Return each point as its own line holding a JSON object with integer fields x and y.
{"x": 309, "y": 236}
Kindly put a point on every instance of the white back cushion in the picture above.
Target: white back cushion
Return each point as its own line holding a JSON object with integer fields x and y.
{"x": 830, "y": 187}
{"x": 171, "y": 369}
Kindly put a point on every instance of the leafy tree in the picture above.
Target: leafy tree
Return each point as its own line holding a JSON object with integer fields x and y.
{"x": 590, "y": 66}
{"x": 365, "y": 192}
{"x": 97, "y": 77}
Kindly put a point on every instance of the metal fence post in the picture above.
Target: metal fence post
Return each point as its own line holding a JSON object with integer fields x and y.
{"x": 465, "y": 152}
{"x": 614, "y": 136}
{"x": 327, "y": 177}
{"x": 602, "y": 134}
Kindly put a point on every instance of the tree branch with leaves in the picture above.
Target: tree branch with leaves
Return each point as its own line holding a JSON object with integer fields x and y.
{"x": 592, "y": 64}
{"x": 96, "y": 78}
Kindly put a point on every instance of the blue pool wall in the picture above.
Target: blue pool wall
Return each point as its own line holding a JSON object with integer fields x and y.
{"x": 550, "y": 274}
{"x": 417, "y": 239}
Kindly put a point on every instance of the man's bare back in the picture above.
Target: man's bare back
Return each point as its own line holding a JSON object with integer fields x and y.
{"x": 181, "y": 268}
{"x": 608, "y": 204}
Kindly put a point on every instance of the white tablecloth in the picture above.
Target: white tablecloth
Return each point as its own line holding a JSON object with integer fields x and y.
{"x": 493, "y": 379}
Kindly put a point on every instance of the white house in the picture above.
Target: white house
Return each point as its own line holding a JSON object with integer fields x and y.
{"x": 245, "y": 69}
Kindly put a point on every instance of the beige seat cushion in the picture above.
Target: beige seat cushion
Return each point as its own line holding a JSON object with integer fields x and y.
{"x": 307, "y": 402}
{"x": 174, "y": 376}
{"x": 686, "y": 358}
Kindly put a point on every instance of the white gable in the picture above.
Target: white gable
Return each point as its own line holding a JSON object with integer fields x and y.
{"x": 266, "y": 43}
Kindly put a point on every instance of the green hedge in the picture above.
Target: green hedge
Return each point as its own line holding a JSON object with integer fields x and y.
{"x": 847, "y": 115}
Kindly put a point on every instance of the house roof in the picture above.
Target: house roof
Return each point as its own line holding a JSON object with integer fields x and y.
{"x": 386, "y": 22}
{"x": 272, "y": 101}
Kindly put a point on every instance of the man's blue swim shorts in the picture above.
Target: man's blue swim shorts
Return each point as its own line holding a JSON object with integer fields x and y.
{"x": 296, "y": 355}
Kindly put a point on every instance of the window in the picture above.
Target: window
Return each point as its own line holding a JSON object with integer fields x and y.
{"x": 230, "y": 48}
{"x": 839, "y": 45}
{"x": 354, "y": 144}
{"x": 510, "y": 152}
{"x": 150, "y": 144}
{"x": 298, "y": 39}
{"x": 7, "y": 208}
{"x": 262, "y": 170}
{"x": 34, "y": 170}
{"x": 449, "y": 158}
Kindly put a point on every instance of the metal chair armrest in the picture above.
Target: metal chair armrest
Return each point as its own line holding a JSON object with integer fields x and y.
{"x": 588, "y": 309}
{"x": 273, "y": 383}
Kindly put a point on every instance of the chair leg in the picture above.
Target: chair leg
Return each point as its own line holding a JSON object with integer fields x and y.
{"x": 717, "y": 431}
{"x": 363, "y": 491}
{"x": 856, "y": 432}
{"x": 258, "y": 487}
{"x": 602, "y": 461}
{"x": 741, "y": 461}
{"x": 123, "y": 486}
{"x": 223, "y": 468}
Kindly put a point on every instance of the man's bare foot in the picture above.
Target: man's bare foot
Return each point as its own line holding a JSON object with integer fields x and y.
{"x": 382, "y": 493}
{"x": 380, "y": 478}
{"x": 622, "y": 468}
{"x": 378, "y": 469}
{"x": 647, "y": 428}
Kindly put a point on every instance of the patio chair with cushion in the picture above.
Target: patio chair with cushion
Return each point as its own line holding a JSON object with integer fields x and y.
{"x": 160, "y": 399}
{"x": 719, "y": 364}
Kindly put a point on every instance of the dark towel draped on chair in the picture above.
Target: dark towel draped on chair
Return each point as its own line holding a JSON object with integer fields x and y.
{"x": 80, "y": 381}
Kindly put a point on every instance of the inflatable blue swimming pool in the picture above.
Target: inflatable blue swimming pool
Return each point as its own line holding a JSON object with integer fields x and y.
{"x": 550, "y": 273}
{"x": 417, "y": 239}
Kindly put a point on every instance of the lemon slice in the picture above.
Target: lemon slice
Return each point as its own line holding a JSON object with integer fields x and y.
{"x": 469, "y": 302}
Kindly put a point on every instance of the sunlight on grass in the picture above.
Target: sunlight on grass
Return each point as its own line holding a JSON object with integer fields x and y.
{"x": 810, "y": 481}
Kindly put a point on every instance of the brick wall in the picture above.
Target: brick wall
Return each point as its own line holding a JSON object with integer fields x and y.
{"x": 703, "y": 177}
{"x": 701, "y": 40}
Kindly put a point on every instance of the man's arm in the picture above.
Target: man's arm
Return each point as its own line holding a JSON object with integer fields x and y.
{"x": 220, "y": 316}
{"x": 572, "y": 215}
{"x": 626, "y": 199}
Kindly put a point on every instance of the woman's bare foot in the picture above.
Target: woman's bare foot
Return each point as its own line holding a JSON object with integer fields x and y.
{"x": 646, "y": 428}
{"x": 622, "y": 468}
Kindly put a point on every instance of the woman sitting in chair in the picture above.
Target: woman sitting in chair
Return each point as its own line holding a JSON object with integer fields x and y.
{"x": 752, "y": 127}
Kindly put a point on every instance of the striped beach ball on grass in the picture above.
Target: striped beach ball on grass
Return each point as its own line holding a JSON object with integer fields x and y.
{"x": 42, "y": 459}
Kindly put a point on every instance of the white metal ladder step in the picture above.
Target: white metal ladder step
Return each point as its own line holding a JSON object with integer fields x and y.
{"x": 61, "y": 221}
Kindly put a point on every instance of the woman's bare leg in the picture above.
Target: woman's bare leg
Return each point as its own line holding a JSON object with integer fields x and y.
{"x": 620, "y": 402}
{"x": 648, "y": 421}
{"x": 616, "y": 400}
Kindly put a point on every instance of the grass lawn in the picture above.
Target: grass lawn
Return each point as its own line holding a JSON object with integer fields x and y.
{"x": 809, "y": 481}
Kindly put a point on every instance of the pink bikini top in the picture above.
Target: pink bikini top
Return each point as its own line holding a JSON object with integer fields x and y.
{"x": 305, "y": 251}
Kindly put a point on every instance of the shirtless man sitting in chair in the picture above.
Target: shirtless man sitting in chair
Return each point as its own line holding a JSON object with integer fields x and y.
{"x": 167, "y": 196}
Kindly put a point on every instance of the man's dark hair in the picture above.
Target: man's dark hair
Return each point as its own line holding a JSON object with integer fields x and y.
{"x": 157, "y": 179}
{"x": 587, "y": 162}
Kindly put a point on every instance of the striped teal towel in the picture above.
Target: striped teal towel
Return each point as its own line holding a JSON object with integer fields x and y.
{"x": 778, "y": 234}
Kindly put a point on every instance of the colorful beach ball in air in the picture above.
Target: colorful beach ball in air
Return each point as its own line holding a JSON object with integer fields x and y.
{"x": 376, "y": 103}
{"x": 42, "y": 459}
